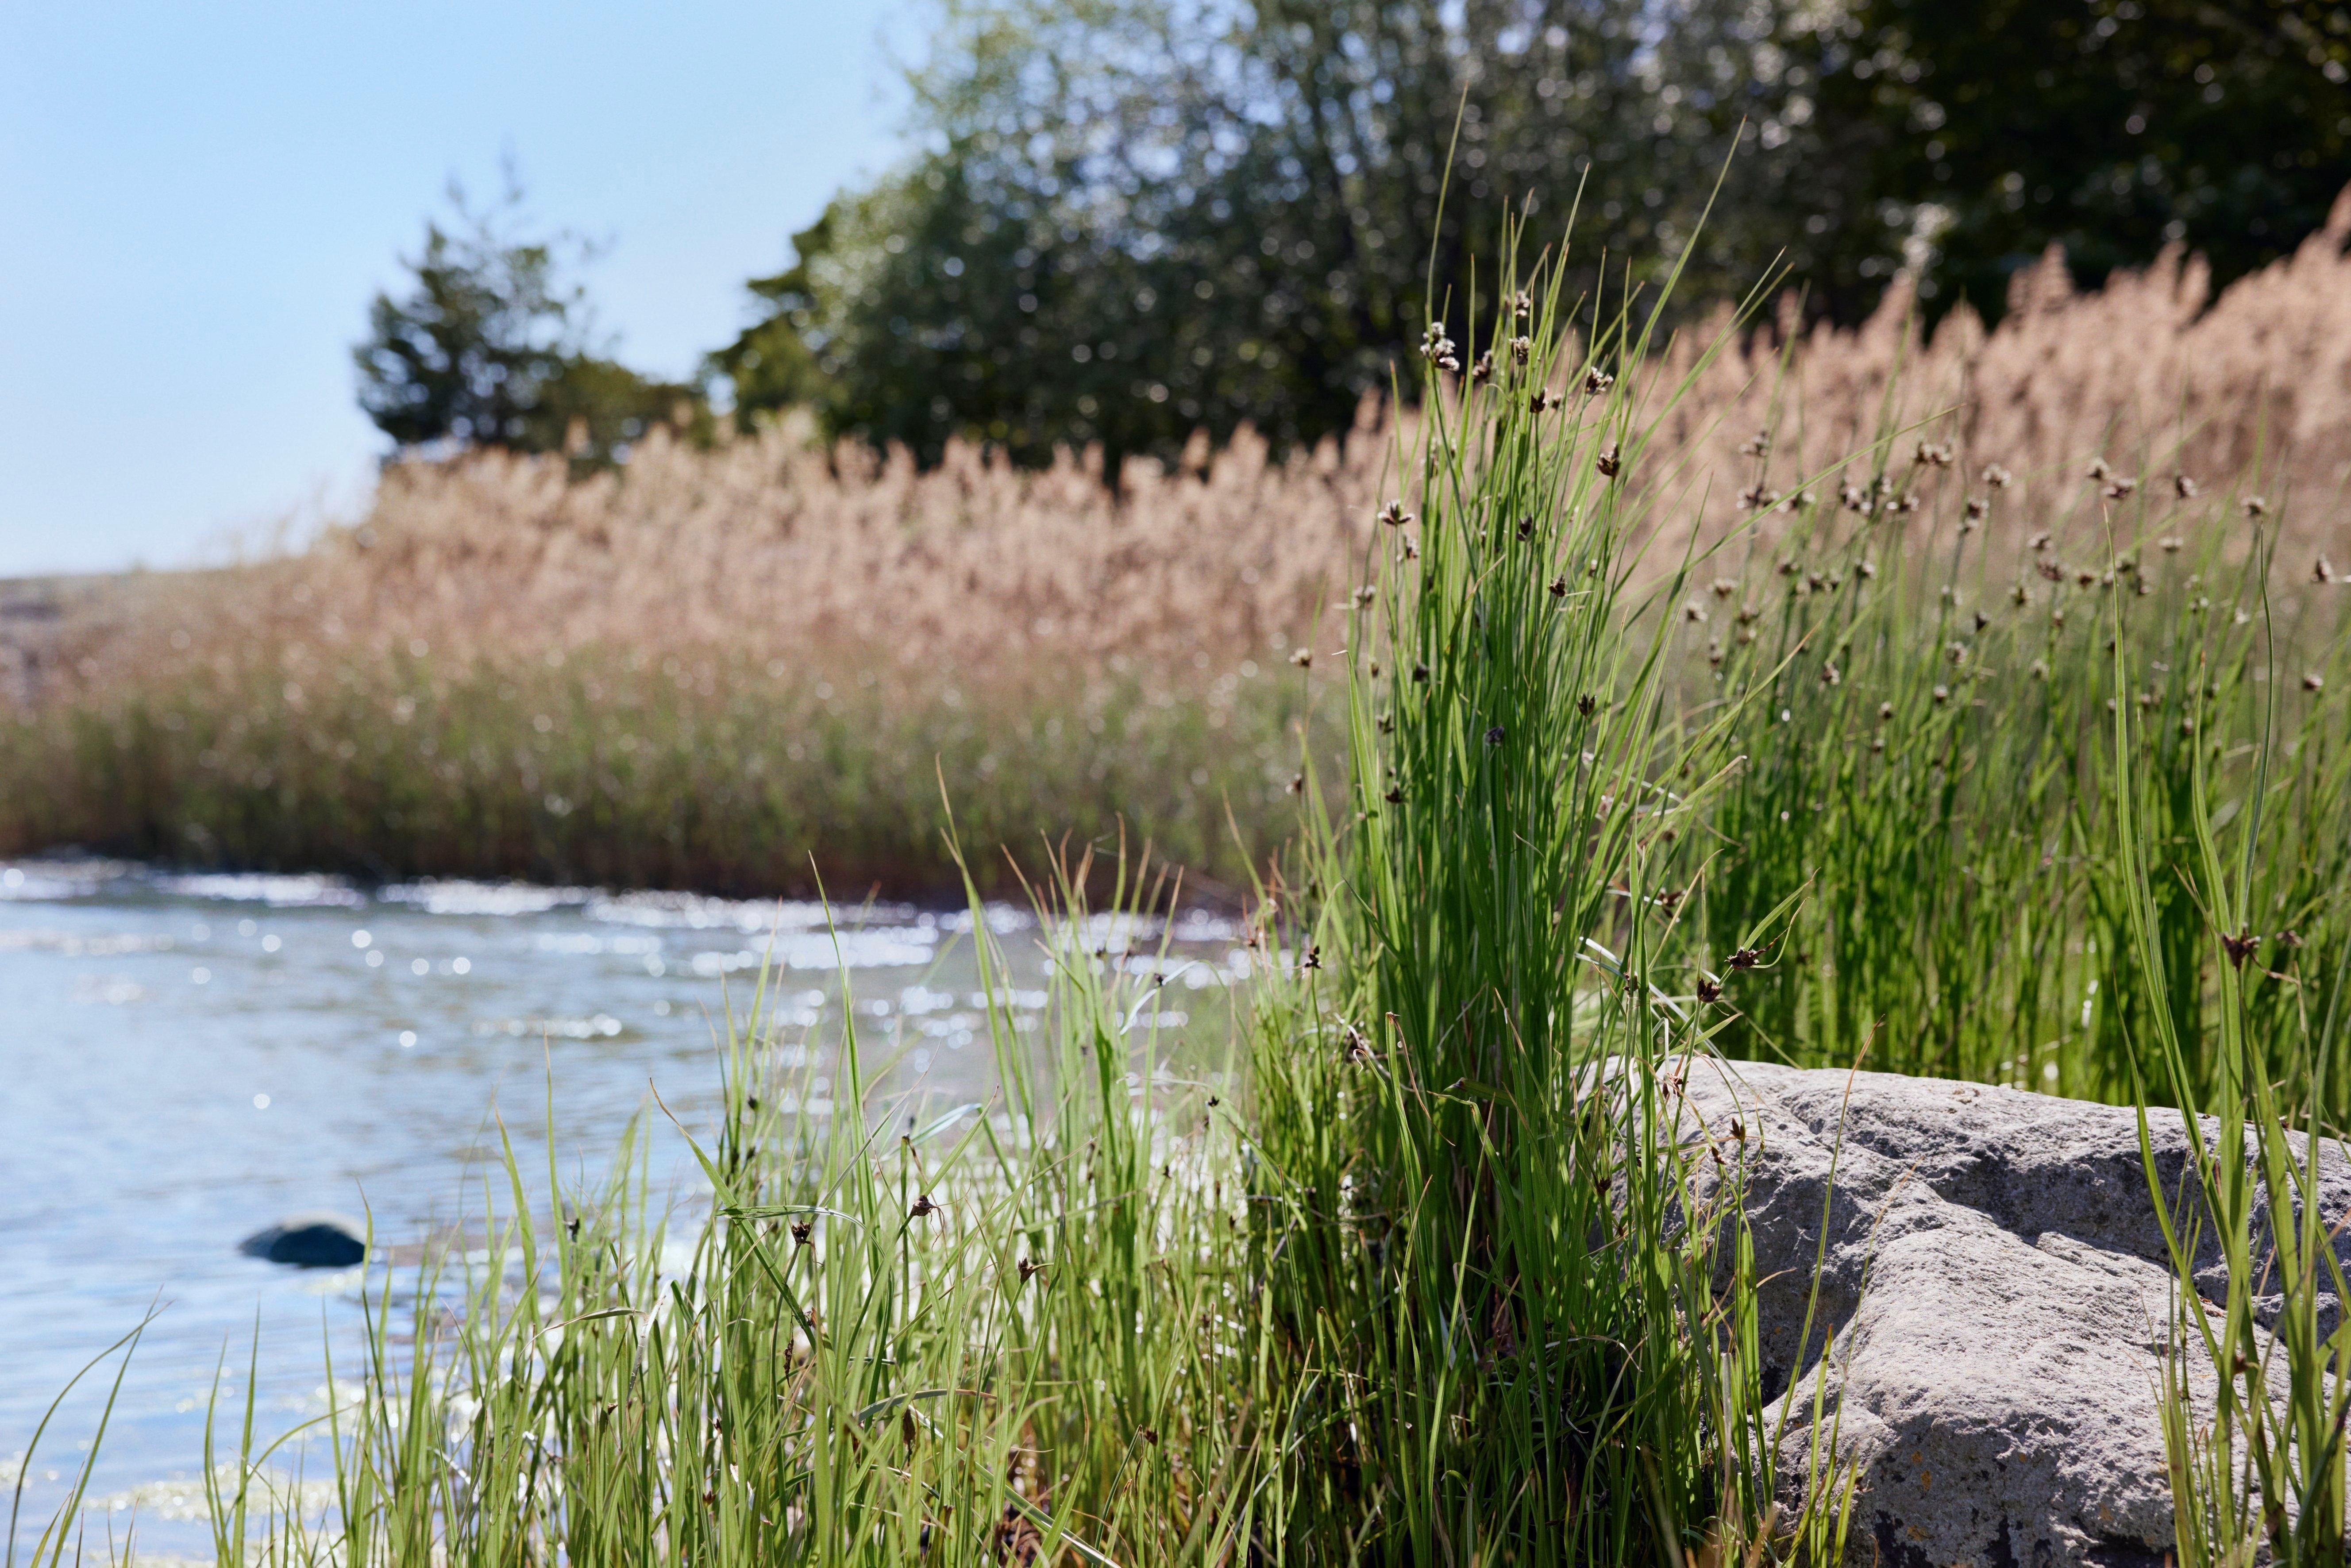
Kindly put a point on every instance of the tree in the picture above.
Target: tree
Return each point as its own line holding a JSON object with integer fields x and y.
{"x": 490, "y": 348}
{"x": 1133, "y": 219}
{"x": 2109, "y": 126}
{"x": 1139, "y": 218}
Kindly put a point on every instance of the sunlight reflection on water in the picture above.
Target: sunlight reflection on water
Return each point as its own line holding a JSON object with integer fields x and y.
{"x": 188, "y": 1058}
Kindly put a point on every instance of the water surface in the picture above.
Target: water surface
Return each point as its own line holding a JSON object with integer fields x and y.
{"x": 186, "y": 1058}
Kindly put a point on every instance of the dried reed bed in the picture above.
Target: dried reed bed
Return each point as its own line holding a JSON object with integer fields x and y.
{"x": 507, "y": 646}
{"x": 2150, "y": 373}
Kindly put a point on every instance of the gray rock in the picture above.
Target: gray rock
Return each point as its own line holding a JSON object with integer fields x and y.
{"x": 316, "y": 1240}
{"x": 1995, "y": 1291}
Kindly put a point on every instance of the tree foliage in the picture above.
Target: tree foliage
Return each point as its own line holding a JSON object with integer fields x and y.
{"x": 2111, "y": 128}
{"x": 1138, "y": 219}
{"x": 1132, "y": 219}
{"x": 489, "y": 346}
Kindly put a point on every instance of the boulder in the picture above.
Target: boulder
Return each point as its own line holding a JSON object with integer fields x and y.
{"x": 1994, "y": 1292}
{"x": 318, "y": 1240}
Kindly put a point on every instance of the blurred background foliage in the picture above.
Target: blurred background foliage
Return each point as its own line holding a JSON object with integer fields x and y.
{"x": 1124, "y": 221}
{"x": 492, "y": 345}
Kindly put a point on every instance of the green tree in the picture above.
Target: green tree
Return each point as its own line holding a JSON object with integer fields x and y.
{"x": 1137, "y": 219}
{"x": 489, "y": 346}
{"x": 1133, "y": 219}
{"x": 2110, "y": 127}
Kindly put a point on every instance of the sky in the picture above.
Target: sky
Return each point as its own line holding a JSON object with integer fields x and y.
{"x": 198, "y": 201}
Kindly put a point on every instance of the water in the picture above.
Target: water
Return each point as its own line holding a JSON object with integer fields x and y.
{"x": 186, "y": 1058}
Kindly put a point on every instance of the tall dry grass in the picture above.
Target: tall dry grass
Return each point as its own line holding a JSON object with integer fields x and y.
{"x": 725, "y": 662}
{"x": 2151, "y": 374}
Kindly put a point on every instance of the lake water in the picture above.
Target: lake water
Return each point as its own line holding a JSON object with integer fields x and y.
{"x": 186, "y": 1058}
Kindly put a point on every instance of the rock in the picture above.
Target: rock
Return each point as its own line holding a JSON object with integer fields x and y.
{"x": 309, "y": 1242}
{"x": 1997, "y": 1289}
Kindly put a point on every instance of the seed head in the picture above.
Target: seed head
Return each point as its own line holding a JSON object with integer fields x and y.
{"x": 1724, "y": 588}
{"x": 1302, "y": 658}
{"x": 1521, "y": 348}
{"x": 2098, "y": 470}
{"x": 1998, "y": 478}
{"x": 1030, "y": 1270}
{"x": 2255, "y": 507}
{"x": 1977, "y": 507}
{"x": 1746, "y": 959}
{"x": 923, "y": 1207}
{"x": 1932, "y": 456}
{"x": 1559, "y": 587}
{"x": 2119, "y": 489}
{"x": 801, "y": 1228}
{"x": 1906, "y": 503}
{"x": 2314, "y": 683}
{"x": 1756, "y": 446}
{"x": 2170, "y": 544}
{"x": 1526, "y": 529}
{"x": 1597, "y": 380}
{"x": 1709, "y": 991}
{"x": 1521, "y": 305}
{"x": 2322, "y": 572}
{"x": 1394, "y": 514}
{"x": 2241, "y": 947}
{"x": 1757, "y": 498}
{"x": 1542, "y": 400}
{"x": 1853, "y": 499}
{"x": 1610, "y": 460}
{"x": 1483, "y": 370}
{"x": 2183, "y": 487}
{"x": 1438, "y": 349}
{"x": 1584, "y": 705}
{"x": 1494, "y": 737}
{"x": 2020, "y": 594}
{"x": 1829, "y": 675}
{"x": 1420, "y": 674}
{"x": 2039, "y": 669}
{"x": 1693, "y": 611}
{"x": 1942, "y": 695}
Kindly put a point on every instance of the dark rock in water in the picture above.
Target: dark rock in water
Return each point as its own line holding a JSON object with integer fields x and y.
{"x": 309, "y": 1242}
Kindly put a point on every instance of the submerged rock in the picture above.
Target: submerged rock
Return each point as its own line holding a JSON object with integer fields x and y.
{"x": 309, "y": 1242}
{"x": 1995, "y": 1290}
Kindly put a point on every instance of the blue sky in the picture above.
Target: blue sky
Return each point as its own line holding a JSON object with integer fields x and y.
{"x": 197, "y": 201}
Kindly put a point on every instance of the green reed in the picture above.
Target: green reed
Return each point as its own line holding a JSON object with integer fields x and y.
{"x": 1015, "y": 1331}
{"x": 2256, "y": 1388}
{"x": 1927, "y": 751}
{"x": 718, "y": 773}
{"x": 1521, "y": 1334}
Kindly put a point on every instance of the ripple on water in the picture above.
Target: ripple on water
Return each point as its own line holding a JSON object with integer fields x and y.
{"x": 277, "y": 890}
